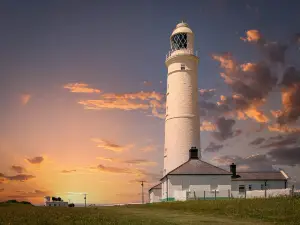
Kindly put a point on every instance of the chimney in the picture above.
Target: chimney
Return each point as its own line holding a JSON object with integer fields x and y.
{"x": 233, "y": 170}
{"x": 194, "y": 153}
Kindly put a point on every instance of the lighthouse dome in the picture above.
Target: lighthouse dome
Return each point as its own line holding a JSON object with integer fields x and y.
{"x": 182, "y": 27}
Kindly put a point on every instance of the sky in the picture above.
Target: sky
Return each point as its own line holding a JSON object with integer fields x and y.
{"x": 83, "y": 85}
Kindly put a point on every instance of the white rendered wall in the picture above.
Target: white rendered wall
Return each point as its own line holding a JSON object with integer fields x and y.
{"x": 256, "y": 185}
{"x": 155, "y": 195}
{"x": 182, "y": 125}
{"x": 199, "y": 184}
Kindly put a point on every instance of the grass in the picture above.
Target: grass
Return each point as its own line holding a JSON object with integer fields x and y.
{"x": 234, "y": 211}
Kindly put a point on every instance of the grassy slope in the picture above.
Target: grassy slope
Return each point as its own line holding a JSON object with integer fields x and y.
{"x": 281, "y": 211}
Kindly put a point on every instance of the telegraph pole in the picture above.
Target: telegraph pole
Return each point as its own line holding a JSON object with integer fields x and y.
{"x": 84, "y": 200}
{"x": 142, "y": 184}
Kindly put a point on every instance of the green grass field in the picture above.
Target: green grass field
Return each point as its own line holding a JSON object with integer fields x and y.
{"x": 244, "y": 211}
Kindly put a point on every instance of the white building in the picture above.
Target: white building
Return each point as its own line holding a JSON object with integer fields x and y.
{"x": 185, "y": 175}
{"x": 48, "y": 202}
{"x": 155, "y": 193}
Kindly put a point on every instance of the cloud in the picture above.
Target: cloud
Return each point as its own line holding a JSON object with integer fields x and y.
{"x": 140, "y": 162}
{"x": 25, "y": 98}
{"x": 256, "y": 162}
{"x": 286, "y": 156}
{"x": 18, "y": 169}
{"x": 105, "y": 159}
{"x": 68, "y": 171}
{"x": 290, "y": 96}
{"x": 36, "y": 160}
{"x": 144, "y": 101}
{"x": 250, "y": 84}
{"x": 111, "y": 169}
{"x": 212, "y": 147}
{"x": 257, "y": 141}
{"x": 81, "y": 88}
{"x": 281, "y": 141}
{"x": 207, "y": 126}
{"x": 207, "y": 93}
{"x": 105, "y": 144}
{"x": 283, "y": 128}
{"x": 33, "y": 194}
{"x": 252, "y": 36}
{"x": 225, "y": 129}
{"x": 274, "y": 51}
{"x": 136, "y": 162}
{"x": 148, "y": 148}
{"x": 19, "y": 177}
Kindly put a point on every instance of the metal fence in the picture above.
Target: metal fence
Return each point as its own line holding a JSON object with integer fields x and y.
{"x": 228, "y": 194}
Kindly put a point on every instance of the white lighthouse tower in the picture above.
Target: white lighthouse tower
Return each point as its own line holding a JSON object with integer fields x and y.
{"x": 182, "y": 123}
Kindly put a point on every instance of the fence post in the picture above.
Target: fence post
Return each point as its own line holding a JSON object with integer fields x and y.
{"x": 245, "y": 193}
{"x": 265, "y": 189}
{"x": 204, "y": 195}
{"x": 293, "y": 188}
{"x": 228, "y": 193}
{"x": 215, "y": 194}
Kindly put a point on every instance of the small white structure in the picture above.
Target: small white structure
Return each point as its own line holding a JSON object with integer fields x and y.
{"x": 256, "y": 181}
{"x": 48, "y": 202}
{"x": 182, "y": 118}
{"x": 155, "y": 193}
{"x": 195, "y": 179}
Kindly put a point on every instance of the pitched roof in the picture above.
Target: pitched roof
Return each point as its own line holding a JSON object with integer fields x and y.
{"x": 197, "y": 167}
{"x": 273, "y": 175}
{"x": 158, "y": 186}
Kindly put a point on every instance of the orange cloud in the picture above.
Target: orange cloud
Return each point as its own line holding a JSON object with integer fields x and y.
{"x": 111, "y": 146}
{"x": 18, "y": 169}
{"x": 105, "y": 159}
{"x": 68, "y": 171}
{"x": 276, "y": 113}
{"x": 248, "y": 67}
{"x": 116, "y": 170}
{"x": 207, "y": 126}
{"x": 135, "y": 95}
{"x": 129, "y": 101}
{"x": 20, "y": 177}
{"x": 36, "y": 160}
{"x": 226, "y": 61}
{"x": 142, "y": 162}
{"x": 81, "y": 88}
{"x": 32, "y": 194}
{"x": 148, "y": 148}
{"x": 253, "y": 113}
{"x": 283, "y": 128}
{"x": 252, "y": 36}
{"x": 25, "y": 98}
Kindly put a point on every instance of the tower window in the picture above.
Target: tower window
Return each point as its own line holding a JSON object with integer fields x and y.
{"x": 179, "y": 41}
{"x": 250, "y": 187}
{"x": 182, "y": 67}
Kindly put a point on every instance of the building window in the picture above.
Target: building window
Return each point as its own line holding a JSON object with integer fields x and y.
{"x": 250, "y": 187}
{"x": 182, "y": 67}
{"x": 241, "y": 188}
{"x": 262, "y": 187}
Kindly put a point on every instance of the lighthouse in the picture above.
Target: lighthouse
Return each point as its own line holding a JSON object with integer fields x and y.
{"x": 182, "y": 122}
